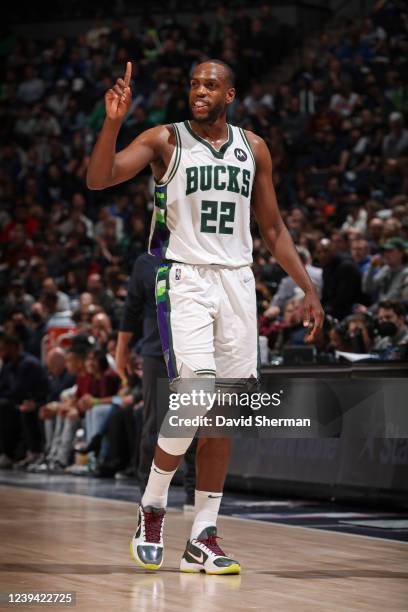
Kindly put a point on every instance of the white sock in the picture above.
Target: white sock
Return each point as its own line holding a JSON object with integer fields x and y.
{"x": 207, "y": 506}
{"x": 157, "y": 487}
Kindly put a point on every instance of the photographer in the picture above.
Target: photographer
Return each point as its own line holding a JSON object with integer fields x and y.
{"x": 359, "y": 334}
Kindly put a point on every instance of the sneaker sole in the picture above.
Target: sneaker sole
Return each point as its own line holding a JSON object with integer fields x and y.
{"x": 150, "y": 566}
{"x": 196, "y": 568}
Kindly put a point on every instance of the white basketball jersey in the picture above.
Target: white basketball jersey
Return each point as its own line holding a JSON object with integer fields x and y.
{"x": 202, "y": 204}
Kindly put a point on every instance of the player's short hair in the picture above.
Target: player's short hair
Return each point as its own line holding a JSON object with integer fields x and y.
{"x": 229, "y": 73}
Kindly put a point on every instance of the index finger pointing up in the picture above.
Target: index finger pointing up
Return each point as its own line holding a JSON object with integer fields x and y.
{"x": 128, "y": 73}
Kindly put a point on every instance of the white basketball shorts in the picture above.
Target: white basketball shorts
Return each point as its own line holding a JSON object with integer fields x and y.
{"x": 207, "y": 319}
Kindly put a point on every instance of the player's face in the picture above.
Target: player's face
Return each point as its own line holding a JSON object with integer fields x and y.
{"x": 209, "y": 93}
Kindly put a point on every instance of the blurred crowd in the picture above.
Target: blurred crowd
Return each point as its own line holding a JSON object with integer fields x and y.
{"x": 336, "y": 129}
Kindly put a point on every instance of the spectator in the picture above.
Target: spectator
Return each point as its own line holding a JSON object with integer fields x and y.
{"x": 392, "y": 327}
{"x": 287, "y": 331}
{"x": 68, "y": 415}
{"x": 38, "y": 330}
{"x": 100, "y": 295}
{"x": 23, "y": 388}
{"x": 375, "y": 233}
{"x": 360, "y": 254}
{"x": 390, "y": 281}
{"x": 101, "y": 329}
{"x": 96, "y": 405}
{"x": 17, "y": 299}
{"x": 31, "y": 89}
{"x": 358, "y": 335}
{"x": 341, "y": 281}
{"x": 50, "y": 289}
{"x": 396, "y": 141}
{"x": 287, "y": 287}
{"x": 59, "y": 379}
{"x": 122, "y": 430}
{"x": 344, "y": 101}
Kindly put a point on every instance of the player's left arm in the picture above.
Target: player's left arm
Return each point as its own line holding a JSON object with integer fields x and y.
{"x": 276, "y": 236}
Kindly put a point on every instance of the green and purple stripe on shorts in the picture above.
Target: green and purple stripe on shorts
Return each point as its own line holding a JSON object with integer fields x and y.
{"x": 163, "y": 318}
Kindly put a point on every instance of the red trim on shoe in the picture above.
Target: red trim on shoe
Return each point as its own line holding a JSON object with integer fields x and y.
{"x": 212, "y": 544}
{"x": 153, "y": 524}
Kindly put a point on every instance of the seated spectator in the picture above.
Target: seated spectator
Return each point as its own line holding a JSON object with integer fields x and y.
{"x": 356, "y": 218}
{"x": 23, "y": 388}
{"x": 287, "y": 331}
{"x": 38, "y": 325}
{"x": 360, "y": 254}
{"x": 287, "y": 287}
{"x": 101, "y": 328}
{"x": 50, "y": 288}
{"x": 341, "y": 281}
{"x": 395, "y": 143}
{"x": 340, "y": 241}
{"x": 123, "y": 429}
{"x": 344, "y": 101}
{"x": 392, "y": 326}
{"x": 330, "y": 156}
{"x": 100, "y": 295}
{"x": 76, "y": 215}
{"x": 387, "y": 275}
{"x": 375, "y": 234}
{"x": 17, "y": 298}
{"x": 59, "y": 379}
{"x": 392, "y": 227}
{"x": 31, "y": 88}
{"x": 68, "y": 418}
{"x": 96, "y": 405}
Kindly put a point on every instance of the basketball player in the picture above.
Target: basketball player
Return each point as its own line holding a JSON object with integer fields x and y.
{"x": 208, "y": 175}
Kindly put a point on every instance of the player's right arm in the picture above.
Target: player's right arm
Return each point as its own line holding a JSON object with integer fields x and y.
{"x": 106, "y": 167}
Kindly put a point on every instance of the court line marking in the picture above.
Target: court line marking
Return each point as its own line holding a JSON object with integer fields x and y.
{"x": 224, "y": 516}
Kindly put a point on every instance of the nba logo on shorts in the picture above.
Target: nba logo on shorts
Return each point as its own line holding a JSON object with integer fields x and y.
{"x": 178, "y": 274}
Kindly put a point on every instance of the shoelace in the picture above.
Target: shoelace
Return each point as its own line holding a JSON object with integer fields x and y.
{"x": 212, "y": 544}
{"x": 153, "y": 524}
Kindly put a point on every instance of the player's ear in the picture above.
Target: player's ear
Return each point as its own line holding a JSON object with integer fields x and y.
{"x": 230, "y": 95}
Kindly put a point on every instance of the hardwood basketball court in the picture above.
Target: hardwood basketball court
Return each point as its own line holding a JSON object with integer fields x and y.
{"x": 57, "y": 542}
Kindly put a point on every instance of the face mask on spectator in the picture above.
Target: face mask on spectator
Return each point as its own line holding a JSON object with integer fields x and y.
{"x": 387, "y": 328}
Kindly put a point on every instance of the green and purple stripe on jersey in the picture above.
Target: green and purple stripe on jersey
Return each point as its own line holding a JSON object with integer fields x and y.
{"x": 160, "y": 236}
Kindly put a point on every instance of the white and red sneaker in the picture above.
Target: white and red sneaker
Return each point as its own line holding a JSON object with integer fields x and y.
{"x": 203, "y": 554}
{"x": 146, "y": 546}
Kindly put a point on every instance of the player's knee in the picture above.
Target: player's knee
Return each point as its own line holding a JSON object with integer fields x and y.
{"x": 174, "y": 446}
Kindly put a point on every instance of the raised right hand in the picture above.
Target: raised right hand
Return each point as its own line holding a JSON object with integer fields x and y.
{"x": 119, "y": 98}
